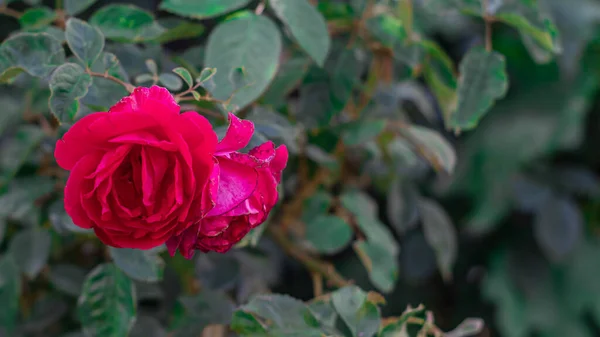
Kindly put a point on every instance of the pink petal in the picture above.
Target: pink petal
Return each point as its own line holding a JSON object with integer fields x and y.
{"x": 238, "y": 135}
{"x": 279, "y": 162}
{"x": 154, "y": 101}
{"x": 197, "y": 132}
{"x": 237, "y": 182}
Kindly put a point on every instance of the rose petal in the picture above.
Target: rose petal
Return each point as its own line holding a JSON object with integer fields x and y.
{"x": 236, "y": 183}
{"x": 238, "y": 135}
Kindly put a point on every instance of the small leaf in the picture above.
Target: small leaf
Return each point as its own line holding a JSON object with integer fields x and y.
{"x": 68, "y": 84}
{"x": 282, "y": 310}
{"x": 328, "y": 233}
{"x": 380, "y": 263}
{"x": 141, "y": 265}
{"x": 74, "y": 7}
{"x": 360, "y": 316}
{"x": 288, "y": 78}
{"x": 402, "y": 210}
{"x": 440, "y": 234}
{"x": 482, "y": 81}
{"x": 248, "y": 41}
{"x": 206, "y": 74}
{"x": 307, "y": 26}
{"x": 438, "y": 151}
{"x": 86, "y": 42}
{"x": 359, "y": 132}
{"x": 317, "y": 205}
{"x": 107, "y": 305}
{"x": 202, "y": 9}
{"x": 31, "y": 248}
{"x": 185, "y": 75}
{"x": 196, "y": 95}
{"x": 35, "y": 18}
{"x": 10, "y": 291}
{"x": 143, "y": 78}
{"x": 126, "y": 23}
{"x": 170, "y": 81}
{"x": 151, "y": 66}
{"x": 558, "y": 227}
{"x": 37, "y": 54}
{"x": 67, "y": 278}
{"x": 469, "y": 327}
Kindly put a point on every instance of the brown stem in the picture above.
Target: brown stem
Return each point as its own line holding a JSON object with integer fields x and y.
{"x": 311, "y": 263}
{"x": 127, "y": 86}
{"x": 488, "y": 26}
{"x": 260, "y": 8}
{"x": 10, "y": 12}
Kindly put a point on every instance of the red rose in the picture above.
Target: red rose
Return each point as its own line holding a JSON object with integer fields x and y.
{"x": 244, "y": 190}
{"x": 139, "y": 171}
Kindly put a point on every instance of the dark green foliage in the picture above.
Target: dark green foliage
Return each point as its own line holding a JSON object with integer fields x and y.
{"x": 442, "y": 152}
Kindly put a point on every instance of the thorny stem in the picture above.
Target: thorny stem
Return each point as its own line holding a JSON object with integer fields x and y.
{"x": 128, "y": 87}
{"x": 311, "y": 263}
{"x": 10, "y": 12}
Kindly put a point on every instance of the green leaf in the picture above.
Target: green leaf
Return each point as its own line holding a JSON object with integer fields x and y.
{"x": 68, "y": 84}
{"x": 46, "y": 311}
{"x": 85, "y": 41}
{"x": 249, "y": 41}
{"x": 439, "y": 152}
{"x": 178, "y": 29}
{"x": 152, "y": 66}
{"x": 558, "y": 227}
{"x": 107, "y": 305}
{"x": 35, "y": 18}
{"x": 282, "y": 310}
{"x": 469, "y": 327}
{"x": 307, "y": 26}
{"x": 170, "y": 81}
{"x": 528, "y": 18}
{"x": 10, "y": 291}
{"x": 440, "y": 76}
{"x": 67, "y": 278}
{"x": 74, "y": 7}
{"x": 126, "y": 23}
{"x": 141, "y": 265}
{"x": 380, "y": 263}
{"x": 359, "y": 132}
{"x": 288, "y": 78}
{"x": 14, "y": 150}
{"x": 37, "y": 54}
{"x": 328, "y": 233}
{"x": 31, "y": 248}
{"x": 360, "y": 315}
{"x": 202, "y": 9}
{"x": 206, "y": 74}
{"x": 440, "y": 234}
{"x": 143, "y": 78}
{"x": 317, "y": 205}
{"x": 402, "y": 210}
{"x": 185, "y": 75}
{"x": 482, "y": 81}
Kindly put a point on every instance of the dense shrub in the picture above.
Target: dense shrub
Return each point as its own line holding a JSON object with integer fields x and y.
{"x": 441, "y": 172}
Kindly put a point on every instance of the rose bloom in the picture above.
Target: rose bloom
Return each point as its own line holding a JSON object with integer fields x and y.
{"x": 139, "y": 172}
{"x": 244, "y": 188}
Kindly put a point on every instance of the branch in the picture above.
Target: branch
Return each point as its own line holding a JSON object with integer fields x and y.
{"x": 10, "y": 12}
{"x": 127, "y": 86}
{"x": 311, "y": 263}
{"x": 488, "y": 26}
